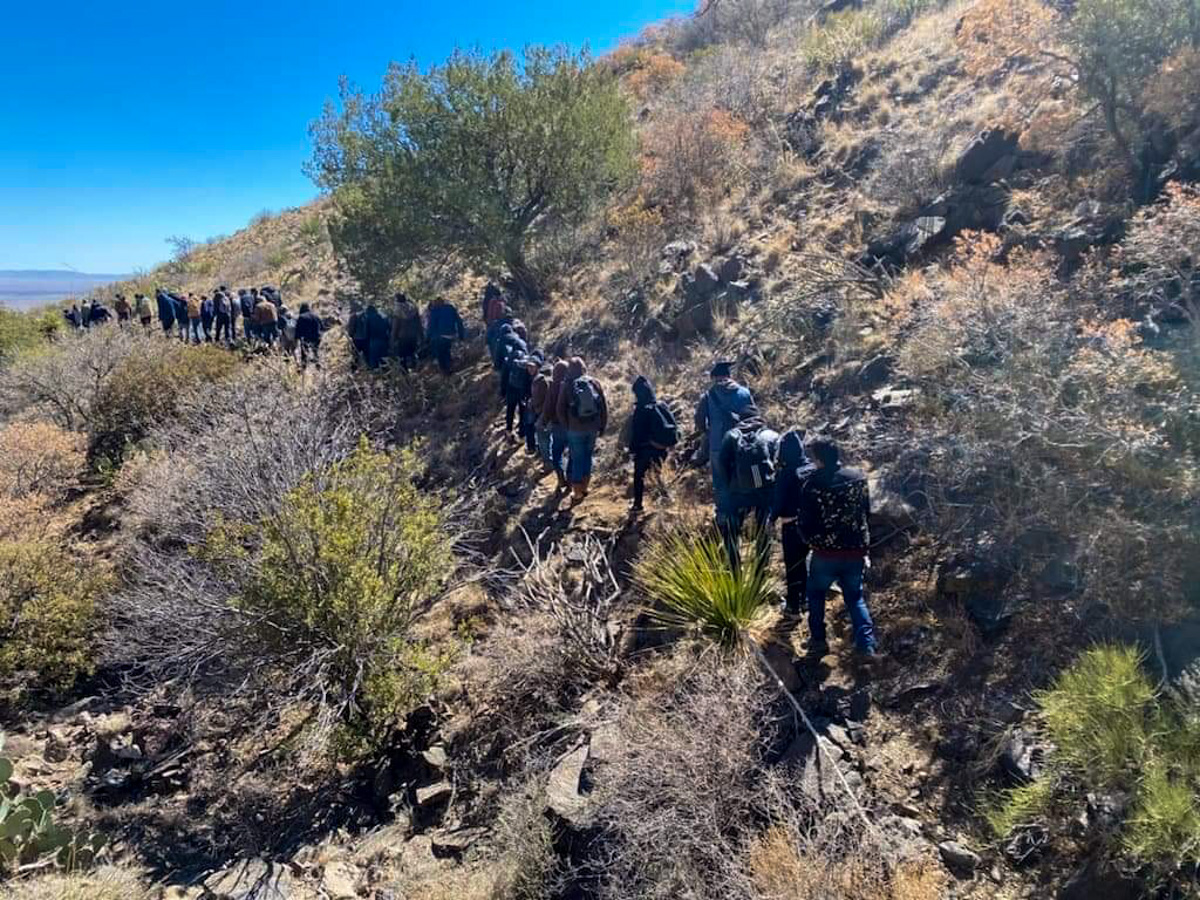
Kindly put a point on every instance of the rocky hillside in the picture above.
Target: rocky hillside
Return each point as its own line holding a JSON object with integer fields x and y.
{"x": 911, "y": 232}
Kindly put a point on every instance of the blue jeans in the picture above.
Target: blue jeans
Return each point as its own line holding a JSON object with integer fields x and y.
{"x": 582, "y": 447}
{"x": 823, "y": 572}
{"x": 195, "y": 330}
{"x": 722, "y": 492}
{"x": 558, "y": 446}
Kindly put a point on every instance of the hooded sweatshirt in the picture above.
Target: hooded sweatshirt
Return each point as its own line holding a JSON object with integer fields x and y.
{"x": 641, "y": 427}
{"x": 717, "y": 408}
{"x": 577, "y": 370}
{"x": 558, "y": 377}
{"x": 793, "y": 470}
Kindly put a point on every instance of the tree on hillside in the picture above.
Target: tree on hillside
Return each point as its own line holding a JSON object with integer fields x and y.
{"x": 1109, "y": 49}
{"x": 479, "y": 156}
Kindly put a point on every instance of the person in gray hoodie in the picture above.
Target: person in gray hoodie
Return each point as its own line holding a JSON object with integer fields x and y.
{"x": 716, "y": 413}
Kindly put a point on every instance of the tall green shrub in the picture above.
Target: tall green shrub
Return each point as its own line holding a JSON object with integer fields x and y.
{"x": 480, "y": 156}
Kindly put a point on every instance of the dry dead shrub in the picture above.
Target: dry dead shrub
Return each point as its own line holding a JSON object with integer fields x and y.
{"x": 691, "y": 155}
{"x": 1061, "y": 440}
{"x": 37, "y": 457}
{"x": 651, "y": 72}
{"x": 640, "y": 234}
{"x": 912, "y": 168}
{"x": 1161, "y": 253}
{"x": 106, "y": 883}
{"x": 686, "y": 785}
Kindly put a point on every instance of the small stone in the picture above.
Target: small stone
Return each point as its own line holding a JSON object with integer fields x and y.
{"x": 960, "y": 860}
{"x": 434, "y": 794}
{"x": 340, "y": 881}
{"x": 435, "y": 756}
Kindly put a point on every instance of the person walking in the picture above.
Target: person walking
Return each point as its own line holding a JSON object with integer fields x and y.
{"x": 834, "y": 515}
{"x": 308, "y": 333}
{"x": 181, "y": 315}
{"x": 266, "y": 321}
{"x": 123, "y": 310}
{"x": 553, "y": 425}
{"x": 445, "y": 326}
{"x": 378, "y": 334}
{"x": 223, "y": 318}
{"x": 793, "y": 470}
{"x": 406, "y": 332}
{"x": 143, "y": 310}
{"x": 247, "y": 306}
{"x": 98, "y": 314}
{"x": 510, "y": 346}
{"x": 652, "y": 433}
{"x": 495, "y": 329}
{"x": 582, "y": 406}
{"x": 195, "y": 315}
{"x": 747, "y": 460}
{"x": 715, "y": 414}
{"x": 537, "y": 403}
{"x": 166, "y": 311}
{"x": 493, "y": 306}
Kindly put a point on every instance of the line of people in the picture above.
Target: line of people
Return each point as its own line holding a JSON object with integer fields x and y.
{"x": 822, "y": 506}
{"x": 403, "y": 336}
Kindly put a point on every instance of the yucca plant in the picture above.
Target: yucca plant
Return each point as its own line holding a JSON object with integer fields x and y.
{"x": 688, "y": 578}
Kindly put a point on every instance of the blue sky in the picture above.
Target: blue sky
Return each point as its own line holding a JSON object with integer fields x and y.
{"x": 126, "y": 123}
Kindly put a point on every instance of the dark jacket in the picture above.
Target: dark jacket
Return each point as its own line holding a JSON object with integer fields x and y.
{"x": 575, "y": 371}
{"x": 835, "y": 508}
{"x": 378, "y": 329}
{"x": 181, "y": 309}
{"x": 445, "y": 322}
{"x": 729, "y": 447}
{"x": 518, "y": 383}
{"x": 537, "y": 394}
{"x": 308, "y": 328}
{"x": 716, "y": 409}
{"x": 508, "y": 346}
{"x": 641, "y": 425}
{"x": 207, "y": 309}
{"x": 406, "y": 328}
{"x": 247, "y": 304}
{"x": 99, "y": 314}
{"x": 791, "y": 472}
{"x": 166, "y": 308}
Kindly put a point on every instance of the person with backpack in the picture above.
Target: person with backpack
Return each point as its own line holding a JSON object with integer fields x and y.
{"x": 223, "y": 317}
{"x": 555, "y": 428}
{"x": 493, "y": 306}
{"x": 715, "y": 414}
{"x": 99, "y": 314}
{"x": 266, "y": 321}
{"x": 145, "y": 314}
{"x": 208, "y": 315}
{"x": 834, "y": 509}
{"x": 181, "y": 315}
{"x": 793, "y": 470}
{"x": 246, "y": 303}
{"x": 508, "y": 347}
{"x": 748, "y": 459}
{"x": 166, "y": 311}
{"x": 123, "y": 310}
{"x": 444, "y": 326}
{"x": 495, "y": 329}
{"x": 406, "y": 332}
{"x": 584, "y": 410}
{"x": 652, "y": 434}
{"x": 521, "y": 372}
{"x": 308, "y": 334}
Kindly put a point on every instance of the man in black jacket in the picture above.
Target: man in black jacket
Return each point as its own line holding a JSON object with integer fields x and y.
{"x": 308, "y": 334}
{"x": 834, "y": 512}
{"x": 647, "y": 455}
{"x": 794, "y": 470}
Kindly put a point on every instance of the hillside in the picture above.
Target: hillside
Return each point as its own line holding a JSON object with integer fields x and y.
{"x": 329, "y": 633}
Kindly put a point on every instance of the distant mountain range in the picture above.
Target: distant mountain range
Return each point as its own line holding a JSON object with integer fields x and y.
{"x": 28, "y": 288}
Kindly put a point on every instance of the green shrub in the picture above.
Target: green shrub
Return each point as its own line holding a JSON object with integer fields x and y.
{"x": 1096, "y": 713}
{"x": 689, "y": 578}
{"x": 1110, "y": 732}
{"x": 26, "y": 330}
{"x": 841, "y": 39}
{"x": 47, "y": 615}
{"x": 341, "y": 573}
{"x": 277, "y": 258}
{"x": 142, "y": 391}
{"x": 312, "y": 230}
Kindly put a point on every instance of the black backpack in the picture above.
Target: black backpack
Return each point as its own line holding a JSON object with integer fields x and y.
{"x": 754, "y": 467}
{"x": 519, "y": 378}
{"x": 585, "y": 399}
{"x": 664, "y": 431}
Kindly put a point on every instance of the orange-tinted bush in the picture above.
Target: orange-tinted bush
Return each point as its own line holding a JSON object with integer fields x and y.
{"x": 37, "y": 457}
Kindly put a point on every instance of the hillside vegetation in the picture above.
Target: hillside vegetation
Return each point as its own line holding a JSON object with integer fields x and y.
{"x": 327, "y": 634}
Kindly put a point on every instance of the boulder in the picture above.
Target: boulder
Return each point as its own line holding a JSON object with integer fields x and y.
{"x": 819, "y": 761}
{"x": 783, "y": 664}
{"x": 434, "y": 794}
{"x": 959, "y": 859}
{"x": 251, "y": 879}
{"x": 701, "y": 284}
{"x": 339, "y": 880}
{"x": 969, "y": 208}
{"x": 890, "y": 513}
{"x": 435, "y": 756}
{"x": 694, "y": 319}
{"x": 876, "y": 371}
{"x": 450, "y": 844}
{"x": 977, "y": 579}
{"x": 677, "y": 253}
{"x": 894, "y": 399}
{"x": 984, "y": 154}
{"x": 1021, "y": 756}
{"x": 564, "y": 791}
{"x": 732, "y": 269}
{"x": 904, "y": 244}
{"x": 1096, "y": 879}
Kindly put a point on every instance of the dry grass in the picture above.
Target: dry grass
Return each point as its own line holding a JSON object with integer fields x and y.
{"x": 107, "y": 883}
